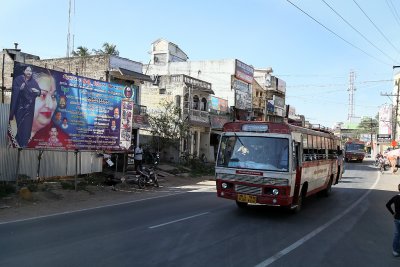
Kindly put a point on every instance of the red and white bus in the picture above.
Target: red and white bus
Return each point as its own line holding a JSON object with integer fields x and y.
{"x": 354, "y": 150}
{"x": 275, "y": 164}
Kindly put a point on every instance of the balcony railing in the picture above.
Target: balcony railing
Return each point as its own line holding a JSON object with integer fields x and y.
{"x": 197, "y": 115}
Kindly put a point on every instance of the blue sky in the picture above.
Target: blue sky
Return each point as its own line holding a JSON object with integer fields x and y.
{"x": 314, "y": 62}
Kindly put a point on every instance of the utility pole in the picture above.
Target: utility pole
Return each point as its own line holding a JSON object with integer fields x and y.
{"x": 396, "y": 111}
{"x": 2, "y": 79}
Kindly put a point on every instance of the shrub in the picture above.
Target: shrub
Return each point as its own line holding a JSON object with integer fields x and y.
{"x": 6, "y": 189}
{"x": 67, "y": 185}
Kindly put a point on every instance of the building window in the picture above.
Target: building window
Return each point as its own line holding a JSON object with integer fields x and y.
{"x": 203, "y": 104}
{"x": 162, "y": 91}
{"x": 196, "y": 103}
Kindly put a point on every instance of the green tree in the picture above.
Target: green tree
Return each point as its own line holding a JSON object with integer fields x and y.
{"x": 368, "y": 126}
{"x": 167, "y": 126}
{"x": 108, "y": 49}
{"x": 81, "y": 51}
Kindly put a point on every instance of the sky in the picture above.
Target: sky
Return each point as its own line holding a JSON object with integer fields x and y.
{"x": 312, "y": 45}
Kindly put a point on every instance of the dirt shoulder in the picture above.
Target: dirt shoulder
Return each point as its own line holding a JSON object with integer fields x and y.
{"x": 55, "y": 200}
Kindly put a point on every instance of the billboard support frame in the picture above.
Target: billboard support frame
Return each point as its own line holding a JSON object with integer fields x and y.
{"x": 76, "y": 169}
{"x": 17, "y": 171}
{"x": 41, "y": 151}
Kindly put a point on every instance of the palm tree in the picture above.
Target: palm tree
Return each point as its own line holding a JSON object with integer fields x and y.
{"x": 108, "y": 49}
{"x": 81, "y": 51}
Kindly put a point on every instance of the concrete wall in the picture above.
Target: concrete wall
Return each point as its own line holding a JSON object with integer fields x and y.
{"x": 94, "y": 67}
{"x": 8, "y": 70}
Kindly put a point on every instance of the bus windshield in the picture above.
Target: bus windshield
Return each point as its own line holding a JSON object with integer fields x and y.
{"x": 354, "y": 147}
{"x": 254, "y": 152}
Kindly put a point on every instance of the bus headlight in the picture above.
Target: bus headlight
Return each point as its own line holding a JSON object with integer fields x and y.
{"x": 224, "y": 185}
{"x": 275, "y": 192}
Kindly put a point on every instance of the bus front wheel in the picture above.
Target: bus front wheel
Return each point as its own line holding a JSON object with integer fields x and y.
{"x": 241, "y": 205}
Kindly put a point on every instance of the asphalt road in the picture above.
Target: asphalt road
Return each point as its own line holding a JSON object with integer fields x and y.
{"x": 350, "y": 228}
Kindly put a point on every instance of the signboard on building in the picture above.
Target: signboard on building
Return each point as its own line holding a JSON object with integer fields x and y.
{"x": 385, "y": 119}
{"x": 218, "y": 105}
{"x": 279, "y": 102}
{"x": 218, "y": 121}
{"x": 280, "y": 112}
{"x": 270, "y": 106}
{"x": 291, "y": 112}
{"x": 57, "y": 110}
{"x": 278, "y": 84}
{"x": 244, "y": 72}
{"x": 140, "y": 122}
{"x": 384, "y": 138}
{"x": 242, "y": 100}
{"x": 240, "y": 86}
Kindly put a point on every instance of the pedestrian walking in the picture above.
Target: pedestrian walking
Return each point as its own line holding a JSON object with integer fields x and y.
{"x": 396, "y": 238}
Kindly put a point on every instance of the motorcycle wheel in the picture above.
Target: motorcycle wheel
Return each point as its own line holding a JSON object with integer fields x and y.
{"x": 141, "y": 182}
{"x": 155, "y": 179}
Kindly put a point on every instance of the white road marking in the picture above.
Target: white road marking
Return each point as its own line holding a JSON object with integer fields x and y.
{"x": 87, "y": 209}
{"x": 179, "y": 220}
{"x": 304, "y": 239}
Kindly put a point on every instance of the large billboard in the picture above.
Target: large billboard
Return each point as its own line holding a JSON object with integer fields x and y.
{"x": 57, "y": 110}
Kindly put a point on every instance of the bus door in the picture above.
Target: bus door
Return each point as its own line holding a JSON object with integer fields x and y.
{"x": 297, "y": 168}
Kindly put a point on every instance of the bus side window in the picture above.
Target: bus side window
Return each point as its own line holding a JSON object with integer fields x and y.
{"x": 306, "y": 155}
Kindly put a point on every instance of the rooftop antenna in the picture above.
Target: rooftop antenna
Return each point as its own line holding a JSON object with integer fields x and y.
{"x": 69, "y": 29}
{"x": 69, "y": 50}
{"x": 351, "y": 90}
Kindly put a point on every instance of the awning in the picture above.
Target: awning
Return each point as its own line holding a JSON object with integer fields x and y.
{"x": 130, "y": 75}
{"x": 216, "y": 132}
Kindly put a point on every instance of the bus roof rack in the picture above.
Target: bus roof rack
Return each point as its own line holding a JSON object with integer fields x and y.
{"x": 319, "y": 127}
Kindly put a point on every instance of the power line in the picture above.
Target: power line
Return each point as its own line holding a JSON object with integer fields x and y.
{"x": 376, "y": 27}
{"x": 377, "y": 59}
{"x": 393, "y": 10}
{"x": 362, "y": 35}
{"x": 335, "y": 85}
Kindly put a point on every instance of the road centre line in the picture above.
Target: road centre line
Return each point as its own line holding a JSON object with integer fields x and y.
{"x": 310, "y": 235}
{"x": 179, "y": 220}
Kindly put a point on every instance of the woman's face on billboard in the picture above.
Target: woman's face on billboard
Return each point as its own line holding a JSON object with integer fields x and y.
{"x": 28, "y": 72}
{"x": 46, "y": 103}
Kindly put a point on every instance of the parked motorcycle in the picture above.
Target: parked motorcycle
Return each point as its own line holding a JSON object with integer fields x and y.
{"x": 147, "y": 176}
{"x": 132, "y": 177}
{"x": 150, "y": 173}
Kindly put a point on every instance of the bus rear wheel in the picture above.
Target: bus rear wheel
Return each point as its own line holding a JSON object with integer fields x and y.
{"x": 327, "y": 191}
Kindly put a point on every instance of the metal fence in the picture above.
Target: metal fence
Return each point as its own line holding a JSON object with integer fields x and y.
{"x": 53, "y": 163}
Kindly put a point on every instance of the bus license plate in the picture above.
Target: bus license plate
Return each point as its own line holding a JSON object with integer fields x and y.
{"x": 246, "y": 198}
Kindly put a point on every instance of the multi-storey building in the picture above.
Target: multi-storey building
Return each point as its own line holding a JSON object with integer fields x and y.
{"x": 192, "y": 96}
{"x": 231, "y": 80}
{"x": 275, "y": 94}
